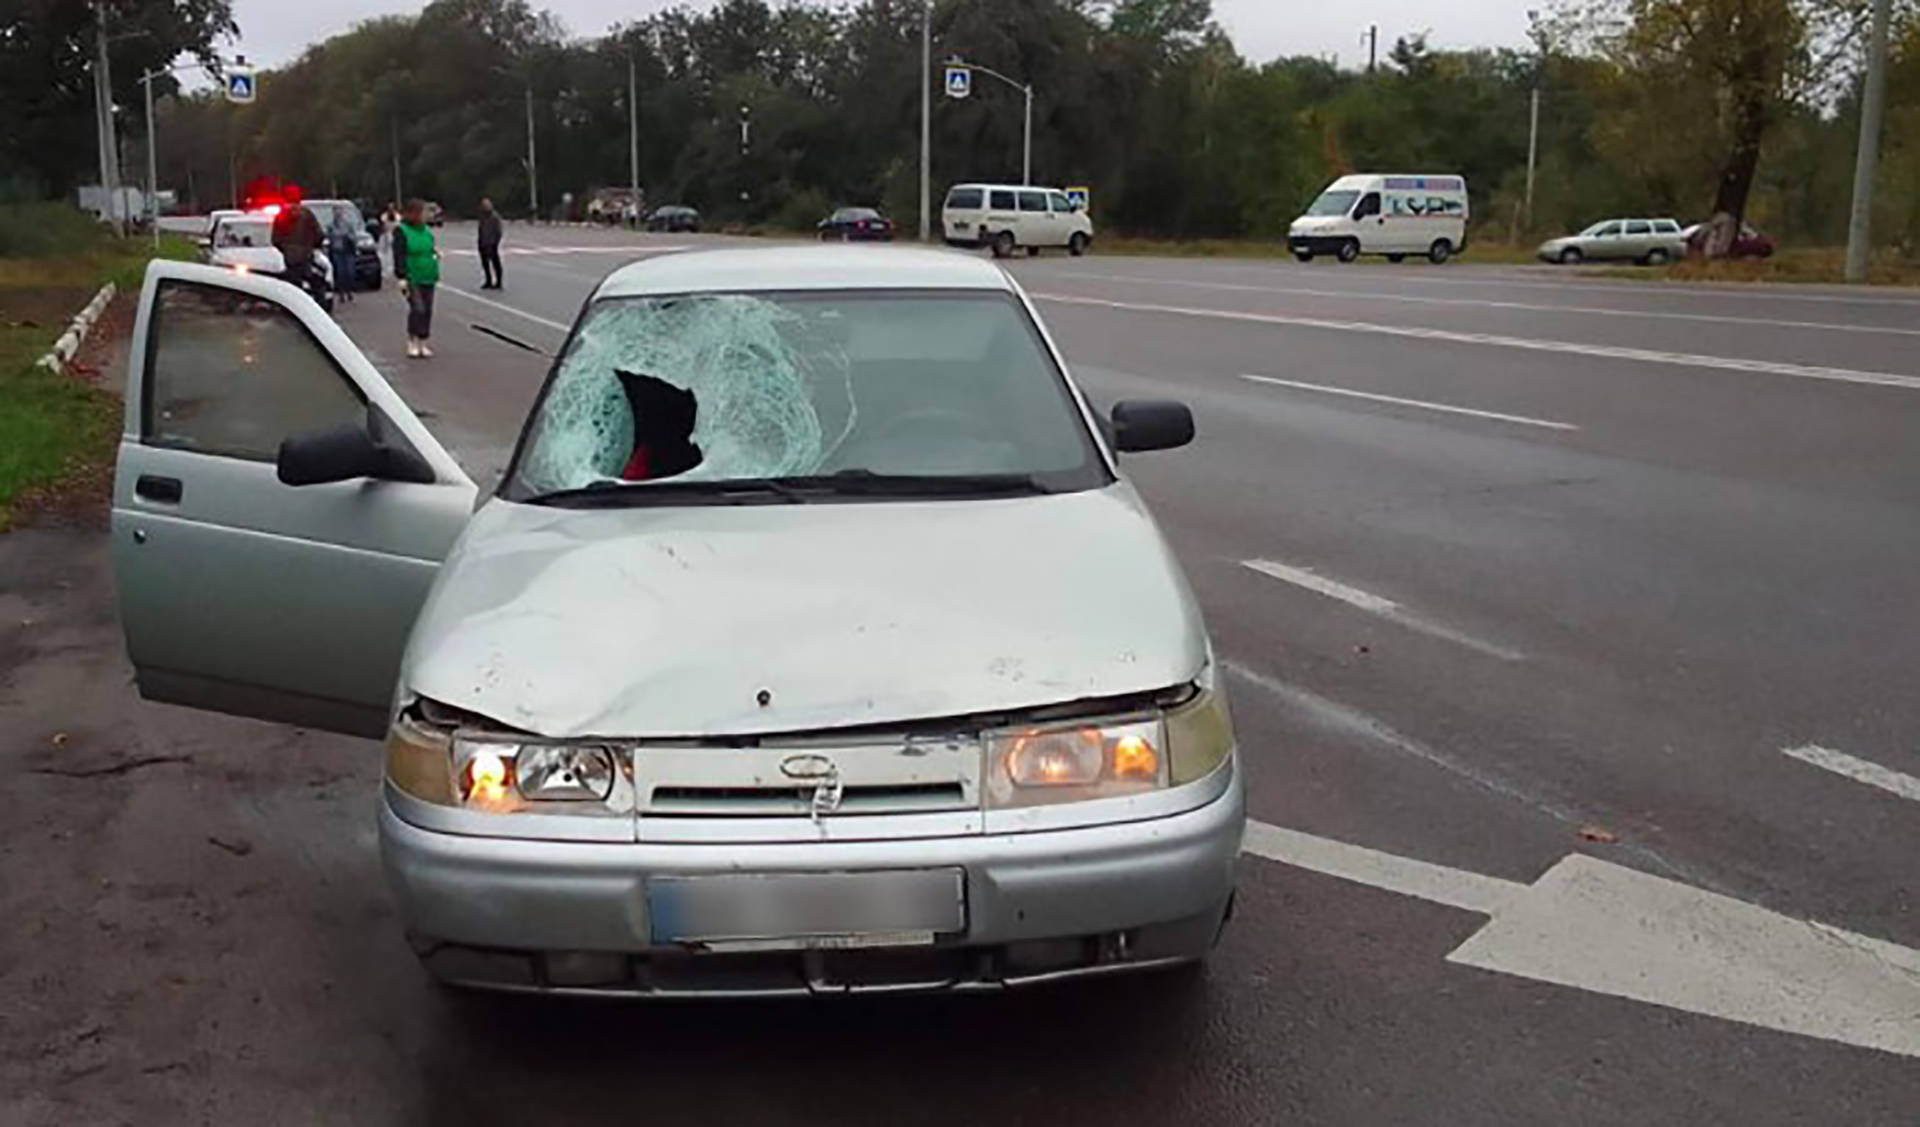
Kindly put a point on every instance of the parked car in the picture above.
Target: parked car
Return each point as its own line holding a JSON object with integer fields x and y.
{"x": 1750, "y": 243}
{"x": 829, "y": 698}
{"x": 673, "y": 217}
{"x": 366, "y": 248}
{"x": 856, "y": 224}
{"x": 1005, "y": 217}
{"x": 243, "y": 243}
{"x": 1394, "y": 215}
{"x": 1646, "y": 241}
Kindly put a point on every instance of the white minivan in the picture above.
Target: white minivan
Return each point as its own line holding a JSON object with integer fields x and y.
{"x": 1004, "y": 217}
{"x": 1391, "y": 215}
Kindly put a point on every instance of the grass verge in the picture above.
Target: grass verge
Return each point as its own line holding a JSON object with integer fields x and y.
{"x": 1486, "y": 254}
{"x": 1798, "y": 264}
{"x": 56, "y": 426}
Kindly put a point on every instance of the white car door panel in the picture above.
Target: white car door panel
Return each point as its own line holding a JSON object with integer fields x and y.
{"x": 239, "y": 593}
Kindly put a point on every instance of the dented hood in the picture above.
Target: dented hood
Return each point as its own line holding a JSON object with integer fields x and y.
{"x": 681, "y": 621}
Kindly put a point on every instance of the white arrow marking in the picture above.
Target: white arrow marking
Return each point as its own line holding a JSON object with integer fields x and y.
{"x": 1605, "y": 928}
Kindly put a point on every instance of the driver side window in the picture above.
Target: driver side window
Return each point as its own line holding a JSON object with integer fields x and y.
{"x": 232, "y": 374}
{"x": 1607, "y": 232}
{"x": 1369, "y": 205}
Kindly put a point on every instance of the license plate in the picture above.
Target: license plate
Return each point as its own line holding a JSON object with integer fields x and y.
{"x": 789, "y": 911}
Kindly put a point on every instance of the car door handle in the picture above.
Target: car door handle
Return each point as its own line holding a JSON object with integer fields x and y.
{"x": 153, "y": 488}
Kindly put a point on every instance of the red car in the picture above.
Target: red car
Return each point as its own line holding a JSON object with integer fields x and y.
{"x": 852, "y": 224}
{"x": 1750, "y": 244}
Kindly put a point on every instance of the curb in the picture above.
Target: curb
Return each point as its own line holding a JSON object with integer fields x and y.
{"x": 69, "y": 343}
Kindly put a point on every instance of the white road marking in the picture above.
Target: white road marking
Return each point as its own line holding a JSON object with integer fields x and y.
{"x": 1612, "y": 352}
{"x": 1584, "y": 310}
{"x": 504, "y": 308}
{"x": 1421, "y": 403}
{"x": 1859, "y": 770}
{"x": 1455, "y": 888}
{"x": 1608, "y": 929}
{"x": 1373, "y": 604}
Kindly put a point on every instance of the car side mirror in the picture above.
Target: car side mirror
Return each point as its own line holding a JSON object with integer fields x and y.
{"x": 1140, "y": 425}
{"x": 346, "y": 452}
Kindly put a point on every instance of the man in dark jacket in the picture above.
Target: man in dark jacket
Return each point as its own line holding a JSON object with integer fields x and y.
{"x": 296, "y": 235}
{"x": 490, "y": 247}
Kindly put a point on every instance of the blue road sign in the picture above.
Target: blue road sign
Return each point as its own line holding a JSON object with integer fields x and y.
{"x": 959, "y": 81}
{"x": 1081, "y": 197}
{"x": 240, "y": 84}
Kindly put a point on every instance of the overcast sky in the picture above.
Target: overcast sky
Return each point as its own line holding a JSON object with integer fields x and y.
{"x": 275, "y": 31}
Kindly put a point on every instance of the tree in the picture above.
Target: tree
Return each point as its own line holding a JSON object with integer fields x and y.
{"x": 46, "y": 80}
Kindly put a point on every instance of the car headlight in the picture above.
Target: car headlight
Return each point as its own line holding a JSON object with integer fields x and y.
{"x": 1074, "y": 762}
{"x": 498, "y": 773}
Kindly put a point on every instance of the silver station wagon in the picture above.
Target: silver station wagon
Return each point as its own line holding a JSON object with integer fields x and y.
{"x": 810, "y": 643}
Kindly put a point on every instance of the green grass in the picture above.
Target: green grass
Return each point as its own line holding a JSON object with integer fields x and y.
{"x": 1476, "y": 252}
{"x": 1793, "y": 264}
{"x": 54, "y": 427}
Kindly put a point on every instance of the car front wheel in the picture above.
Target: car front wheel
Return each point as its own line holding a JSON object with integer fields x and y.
{"x": 1350, "y": 250}
{"x": 1077, "y": 246}
{"x": 1002, "y": 245}
{"x": 1571, "y": 256}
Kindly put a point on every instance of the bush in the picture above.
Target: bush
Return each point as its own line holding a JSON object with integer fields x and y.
{"x": 40, "y": 230}
{"x": 802, "y": 211}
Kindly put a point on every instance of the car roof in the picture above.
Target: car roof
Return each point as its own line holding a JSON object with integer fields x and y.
{"x": 1010, "y": 187}
{"x": 804, "y": 268}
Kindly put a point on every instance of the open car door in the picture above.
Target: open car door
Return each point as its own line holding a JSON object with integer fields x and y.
{"x": 241, "y": 593}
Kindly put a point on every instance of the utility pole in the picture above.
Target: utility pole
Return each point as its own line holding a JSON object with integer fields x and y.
{"x": 1525, "y": 214}
{"x": 1533, "y": 148}
{"x": 393, "y": 136}
{"x": 1026, "y": 157}
{"x": 633, "y": 133}
{"x": 1872, "y": 106}
{"x": 153, "y": 174}
{"x": 926, "y": 120}
{"x": 103, "y": 98}
{"x": 1373, "y": 47}
{"x": 533, "y": 166}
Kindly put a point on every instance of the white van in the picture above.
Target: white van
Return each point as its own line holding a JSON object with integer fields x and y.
{"x": 1391, "y": 215}
{"x": 1003, "y": 217}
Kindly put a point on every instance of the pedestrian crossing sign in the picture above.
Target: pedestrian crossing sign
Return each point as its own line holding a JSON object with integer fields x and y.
{"x": 240, "y": 84}
{"x": 959, "y": 81}
{"x": 1082, "y": 197}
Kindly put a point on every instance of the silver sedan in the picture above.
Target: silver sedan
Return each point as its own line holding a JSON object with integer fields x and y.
{"x": 812, "y": 641}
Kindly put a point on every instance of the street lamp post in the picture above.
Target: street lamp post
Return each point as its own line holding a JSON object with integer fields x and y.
{"x": 533, "y": 166}
{"x": 926, "y": 119}
{"x": 633, "y": 136}
{"x": 1026, "y": 159}
{"x": 153, "y": 148}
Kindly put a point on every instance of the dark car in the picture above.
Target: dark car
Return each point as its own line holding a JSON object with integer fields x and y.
{"x": 855, "y": 224}
{"x": 673, "y": 217}
{"x": 366, "y": 250}
{"x": 1750, "y": 243}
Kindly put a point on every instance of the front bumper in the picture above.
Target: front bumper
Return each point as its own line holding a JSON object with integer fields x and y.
{"x": 1315, "y": 244}
{"x": 571, "y": 917}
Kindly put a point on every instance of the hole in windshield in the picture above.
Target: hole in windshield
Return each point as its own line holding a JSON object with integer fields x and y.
{"x": 718, "y": 388}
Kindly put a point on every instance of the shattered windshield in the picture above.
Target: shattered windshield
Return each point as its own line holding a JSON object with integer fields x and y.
{"x": 717, "y": 388}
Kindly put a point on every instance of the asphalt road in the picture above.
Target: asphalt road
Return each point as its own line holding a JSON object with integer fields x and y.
{"x": 1506, "y": 565}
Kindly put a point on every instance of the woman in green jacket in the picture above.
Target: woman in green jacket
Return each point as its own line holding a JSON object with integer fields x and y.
{"x": 416, "y": 264}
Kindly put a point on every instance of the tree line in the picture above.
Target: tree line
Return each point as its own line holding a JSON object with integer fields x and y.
{"x": 1656, "y": 107}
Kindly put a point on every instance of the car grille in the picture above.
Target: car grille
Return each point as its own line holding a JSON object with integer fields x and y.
{"x": 808, "y": 779}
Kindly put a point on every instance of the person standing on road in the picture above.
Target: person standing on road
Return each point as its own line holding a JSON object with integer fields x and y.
{"x": 490, "y": 247}
{"x": 340, "y": 242}
{"x": 296, "y": 235}
{"x": 416, "y": 264}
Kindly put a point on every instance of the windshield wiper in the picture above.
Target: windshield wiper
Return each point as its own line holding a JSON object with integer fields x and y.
{"x": 635, "y": 494}
{"x": 792, "y": 490}
{"x": 867, "y": 483}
